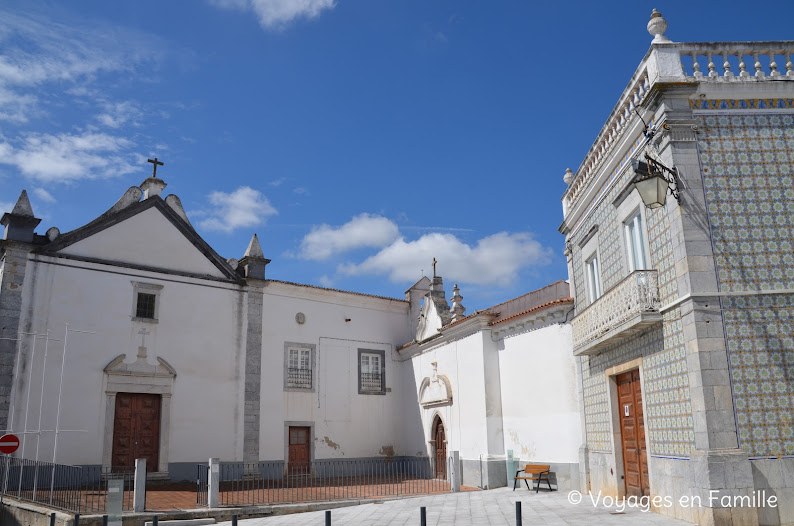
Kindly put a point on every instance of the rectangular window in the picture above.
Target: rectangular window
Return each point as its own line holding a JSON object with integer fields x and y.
{"x": 635, "y": 243}
{"x": 371, "y": 372}
{"x": 593, "y": 278}
{"x": 299, "y": 368}
{"x": 146, "y": 301}
{"x": 145, "y": 306}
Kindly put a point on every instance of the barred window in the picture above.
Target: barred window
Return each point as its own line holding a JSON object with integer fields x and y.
{"x": 145, "y": 306}
{"x": 371, "y": 372}
{"x": 146, "y": 301}
{"x": 299, "y": 368}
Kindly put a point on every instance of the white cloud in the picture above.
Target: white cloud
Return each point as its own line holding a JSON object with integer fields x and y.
{"x": 495, "y": 260}
{"x": 38, "y": 51}
{"x": 245, "y": 207}
{"x": 68, "y": 157}
{"x": 364, "y": 230}
{"x": 275, "y": 14}
{"x": 43, "y": 195}
{"x": 116, "y": 114}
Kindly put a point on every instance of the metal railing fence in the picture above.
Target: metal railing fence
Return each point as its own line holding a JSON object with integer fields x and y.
{"x": 263, "y": 483}
{"x": 202, "y": 485}
{"x": 79, "y": 489}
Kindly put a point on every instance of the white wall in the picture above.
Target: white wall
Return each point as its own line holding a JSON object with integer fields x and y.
{"x": 516, "y": 393}
{"x": 345, "y": 424}
{"x": 465, "y": 420}
{"x": 198, "y": 334}
{"x": 539, "y": 408}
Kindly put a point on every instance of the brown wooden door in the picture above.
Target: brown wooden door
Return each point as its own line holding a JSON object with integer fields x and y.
{"x": 299, "y": 458}
{"x": 441, "y": 449}
{"x": 632, "y": 432}
{"x": 136, "y": 430}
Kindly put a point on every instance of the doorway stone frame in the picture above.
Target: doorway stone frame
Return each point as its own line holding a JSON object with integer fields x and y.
{"x": 139, "y": 377}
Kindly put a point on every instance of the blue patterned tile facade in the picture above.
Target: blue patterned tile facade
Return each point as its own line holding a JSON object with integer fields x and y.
{"x": 748, "y": 177}
{"x": 668, "y": 418}
{"x": 761, "y": 357}
{"x": 665, "y": 379}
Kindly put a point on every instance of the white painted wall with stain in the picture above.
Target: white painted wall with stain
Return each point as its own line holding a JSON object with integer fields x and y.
{"x": 539, "y": 409}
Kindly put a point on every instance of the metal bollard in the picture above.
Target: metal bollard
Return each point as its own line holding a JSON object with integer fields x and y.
{"x": 518, "y": 513}
{"x": 154, "y": 520}
{"x": 76, "y": 519}
{"x": 104, "y": 520}
{"x": 328, "y": 518}
{"x": 423, "y": 516}
{"x": 52, "y": 519}
{"x": 234, "y": 520}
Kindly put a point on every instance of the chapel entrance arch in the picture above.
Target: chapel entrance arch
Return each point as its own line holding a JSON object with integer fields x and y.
{"x": 439, "y": 448}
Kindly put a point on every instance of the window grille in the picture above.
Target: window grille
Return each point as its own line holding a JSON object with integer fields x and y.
{"x": 145, "y": 306}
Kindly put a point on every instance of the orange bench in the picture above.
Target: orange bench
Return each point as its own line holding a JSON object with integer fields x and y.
{"x": 540, "y": 473}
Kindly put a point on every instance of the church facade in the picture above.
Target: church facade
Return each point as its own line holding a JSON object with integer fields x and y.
{"x": 130, "y": 337}
{"x": 683, "y": 306}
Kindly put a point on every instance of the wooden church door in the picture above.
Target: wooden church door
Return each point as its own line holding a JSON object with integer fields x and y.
{"x": 440, "y": 440}
{"x": 136, "y": 430}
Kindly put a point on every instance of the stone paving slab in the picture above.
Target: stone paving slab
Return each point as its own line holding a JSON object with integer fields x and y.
{"x": 483, "y": 508}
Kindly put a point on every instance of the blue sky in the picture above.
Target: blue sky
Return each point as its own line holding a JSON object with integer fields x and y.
{"x": 358, "y": 138}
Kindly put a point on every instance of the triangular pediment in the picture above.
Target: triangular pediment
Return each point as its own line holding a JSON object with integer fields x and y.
{"x": 147, "y": 235}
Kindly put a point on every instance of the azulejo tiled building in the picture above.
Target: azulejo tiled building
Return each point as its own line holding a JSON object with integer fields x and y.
{"x": 685, "y": 310}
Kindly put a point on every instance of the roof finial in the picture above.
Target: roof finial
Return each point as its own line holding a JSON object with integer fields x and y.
{"x": 656, "y": 27}
{"x": 457, "y": 307}
{"x": 154, "y": 162}
{"x": 22, "y": 207}
{"x": 254, "y": 249}
{"x": 568, "y": 176}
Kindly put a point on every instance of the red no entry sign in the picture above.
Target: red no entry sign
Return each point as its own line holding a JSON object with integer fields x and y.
{"x": 9, "y": 443}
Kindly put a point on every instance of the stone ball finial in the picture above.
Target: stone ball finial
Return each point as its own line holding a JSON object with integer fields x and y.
{"x": 657, "y": 26}
{"x": 568, "y": 177}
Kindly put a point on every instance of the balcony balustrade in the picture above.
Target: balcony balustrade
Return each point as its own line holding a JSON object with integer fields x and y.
{"x": 621, "y": 312}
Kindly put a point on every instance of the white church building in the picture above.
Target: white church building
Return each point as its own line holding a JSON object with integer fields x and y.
{"x": 130, "y": 337}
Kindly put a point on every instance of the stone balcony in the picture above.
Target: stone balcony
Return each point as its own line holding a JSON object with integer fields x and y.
{"x": 623, "y": 311}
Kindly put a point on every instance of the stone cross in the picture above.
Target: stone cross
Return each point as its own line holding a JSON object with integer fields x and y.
{"x": 155, "y": 162}
{"x": 142, "y": 348}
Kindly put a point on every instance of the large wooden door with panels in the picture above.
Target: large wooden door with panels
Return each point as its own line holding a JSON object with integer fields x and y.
{"x": 136, "y": 430}
{"x": 632, "y": 432}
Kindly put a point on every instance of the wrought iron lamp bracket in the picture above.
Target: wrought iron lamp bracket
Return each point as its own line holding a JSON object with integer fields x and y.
{"x": 657, "y": 169}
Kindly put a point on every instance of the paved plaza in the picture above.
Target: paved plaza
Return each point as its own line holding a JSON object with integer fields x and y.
{"x": 495, "y": 507}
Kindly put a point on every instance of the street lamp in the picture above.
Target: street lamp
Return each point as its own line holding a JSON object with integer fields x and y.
{"x": 653, "y": 181}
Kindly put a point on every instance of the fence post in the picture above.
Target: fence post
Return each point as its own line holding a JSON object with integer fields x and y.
{"x": 139, "y": 485}
{"x": 455, "y": 475}
{"x": 213, "y": 480}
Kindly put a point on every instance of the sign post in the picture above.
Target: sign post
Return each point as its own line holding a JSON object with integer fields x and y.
{"x": 9, "y": 443}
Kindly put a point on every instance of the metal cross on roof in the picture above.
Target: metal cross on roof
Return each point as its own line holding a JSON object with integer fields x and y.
{"x": 434, "y": 267}
{"x": 155, "y": 162}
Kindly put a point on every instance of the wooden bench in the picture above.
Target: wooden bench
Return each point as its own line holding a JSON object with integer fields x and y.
{"x": 536, "y": 472}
